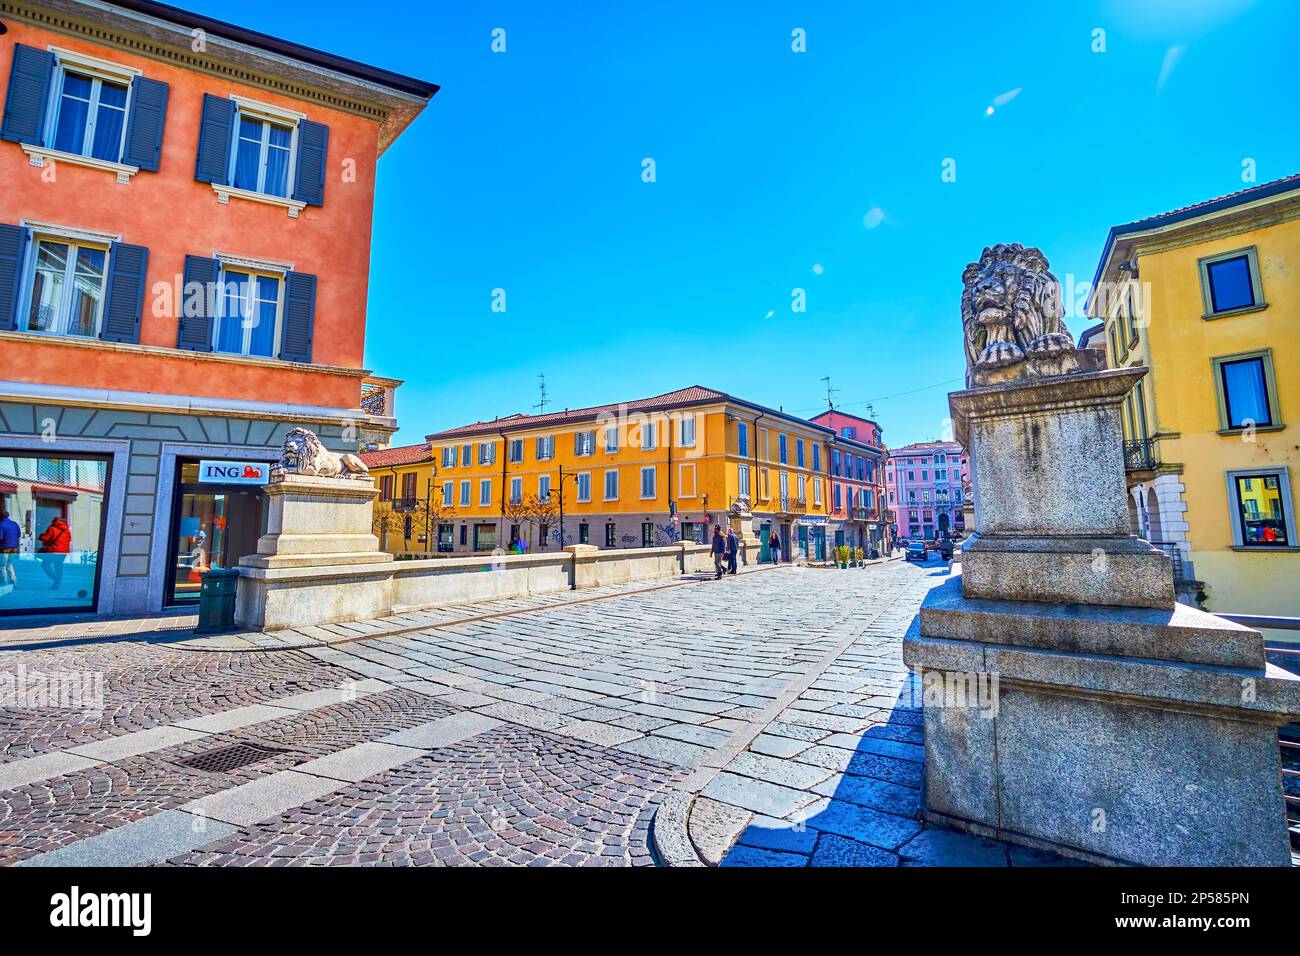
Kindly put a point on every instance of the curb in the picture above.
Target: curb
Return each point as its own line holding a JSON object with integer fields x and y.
{"x": 670, "y": 839}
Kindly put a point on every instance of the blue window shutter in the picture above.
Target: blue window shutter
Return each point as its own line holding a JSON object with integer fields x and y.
{"x": 216, "y": 129}
{"x": 309, "y": 177}
{"x": 29, "y": 93}
{"x": 198, "y": 301}
{"x": 13, "y": 242}
{"x": 144, "y": 127}
{"x": 299, "y": 316}
{"x": 124, "y": 294}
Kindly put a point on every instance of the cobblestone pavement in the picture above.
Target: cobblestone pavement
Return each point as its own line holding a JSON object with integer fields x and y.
{"x": 537, "y": 738}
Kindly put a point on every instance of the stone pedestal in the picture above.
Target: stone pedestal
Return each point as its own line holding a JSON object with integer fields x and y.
{"x": 316, "y": 529}
{"x": 1070, "y": 704}
{"x": 742, "y": 522}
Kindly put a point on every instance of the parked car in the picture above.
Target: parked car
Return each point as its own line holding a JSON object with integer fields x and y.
{"x": 916, "y": 551}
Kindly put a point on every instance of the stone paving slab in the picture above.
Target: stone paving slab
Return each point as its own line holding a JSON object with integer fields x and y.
{"x": 359, "y": 762}
{"x": 134, "y": 744}
{"x": 158, "y": 837}
{"x": 236, "y": 718}
{"x": 264, "y": 798}
{"x": 20, "y": 773}
{"x": 443, "y": 732}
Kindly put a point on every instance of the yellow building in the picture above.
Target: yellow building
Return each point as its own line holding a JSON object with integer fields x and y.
{"x": 1208, "y": 297}
{"x": 628, "y": 475}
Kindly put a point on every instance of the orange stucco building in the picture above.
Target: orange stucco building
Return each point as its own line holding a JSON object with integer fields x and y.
{"x": 173, "y": 288}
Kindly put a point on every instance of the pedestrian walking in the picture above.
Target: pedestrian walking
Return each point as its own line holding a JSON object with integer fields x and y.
{"x": 56, "y": 543}
{"x": 774, "y": 548}
{"x": 719, "y": 551}
{"x": 11, "y": 533}
{"x": 733, "y": 550}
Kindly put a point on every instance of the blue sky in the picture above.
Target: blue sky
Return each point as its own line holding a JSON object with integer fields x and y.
{"x": 775, "y": 170}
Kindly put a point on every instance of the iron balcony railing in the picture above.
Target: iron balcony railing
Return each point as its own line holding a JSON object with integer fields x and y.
{"x": 859, "y": 513}
{"x": 407, "y": 504}
{"x": 1140, "y": 455}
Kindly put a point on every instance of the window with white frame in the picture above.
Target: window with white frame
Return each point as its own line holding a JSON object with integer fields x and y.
{"x": 584, "y": 484}
{"x": 464, "y": 493}
{"x": 649, "y": 437}
{"x": 546, "y": 448}
{"x": 611, "y": 438}
{"x": 817, "y": 491}
{"x": 447, "y": 491}
{"x": 248, "y": 315}
{"x": 449, "y": 457}
{"x": 516, "y": 490}
{"x": 611, "y": 485}
{"x": 783, "y": 448}
{"x": 263, "y": 157}
{"x": 466, "y": 453}
{"x": 742, "y": 439}
{"x": 516, "y": 454}
{"x": 802, "y": 486}
{"x": 487, "y": 452}
{"x": 742, "y": 480}
{"x": 648, "y": 481}
{"x": 544, "y": 487}
{"x": 584, "y": 443}
{"x": 89, "y": 115}
{"x": 688, "y": 431}
{"x": 485, "y": 491}
{"x": 67, "y": 286}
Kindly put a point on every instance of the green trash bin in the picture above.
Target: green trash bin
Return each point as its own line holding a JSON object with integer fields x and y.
{"x": 217, "y": 600}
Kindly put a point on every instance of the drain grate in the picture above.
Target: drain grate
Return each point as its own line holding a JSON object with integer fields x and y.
{"x": 226, "y": 759}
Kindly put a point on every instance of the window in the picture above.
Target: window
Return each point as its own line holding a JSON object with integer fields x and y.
{"x": 487, "y": 452}
{"x": 610, "y": 531}
{"x": 848, "y": 431}
{"x": 783, "y": 483}
{"x": 466, "y": 455}
{"x": 516, "y": 453}
{"x": 688, "y": 432}
{"x": 611, "y": 485}
{"x": 464, "y": 535}
{"x": 817, "y": 491}
{"x": 544, "y": 487}
{"x": 546, "y": 448}
{"x": 584, "y": 484}
{"x": 742, "y": 439}
{"x": 835, "y": 463}
{"x": 648, "y": 436}
{"x": 67, "y": 288}
{"x": 742, "y": 480}
{"x": 1246, "y": 389}
{"x": 90, "y": 115}
{"x": 262, "y": 158}
{"x": 584, "y": 443}
{"x": 464, "y": 493}
{"x": 248, "y": 314}
{"x": 485, "y": 491}
{"x": 802, "y": 485}
{"x": 647, "y": 534}
{"x": 584, "y": 533}
{"x": 1259, "y": 499}
{"x": 783, "y": 451}
{"x": 1230, "y": 282}
{"x": 385, "y": 487}
{"x": 611, "y": 439}
{"x": 449, "y": 457}
{"x": 686, "y": 480}
{"x": 817, "y": 457}
{"x": 764, "y": 486}
{"x": 835, "y": 496}
{"x": 408, "y": 486}
{"x": 798, "y": 452}
{"x": 648, "y": 482}
{"x": 516, "y": 490}
{"x": 447, "y": 492}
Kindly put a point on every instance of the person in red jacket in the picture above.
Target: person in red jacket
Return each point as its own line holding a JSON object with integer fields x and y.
{"x": 56, "y": 542}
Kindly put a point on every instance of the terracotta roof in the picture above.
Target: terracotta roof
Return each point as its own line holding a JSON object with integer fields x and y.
{"x": 404, "y": 455}
{"x": 683, "y": 397}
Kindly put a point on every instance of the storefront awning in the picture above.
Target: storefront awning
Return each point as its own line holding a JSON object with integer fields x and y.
{"x": 57, "y": 493}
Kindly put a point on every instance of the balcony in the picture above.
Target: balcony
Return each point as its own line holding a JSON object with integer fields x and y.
{"x": 858, "y": 513}
{"x": 407, "y": 504}
{"x": 794, "y": 506}
{"x": 1140, "y": 455}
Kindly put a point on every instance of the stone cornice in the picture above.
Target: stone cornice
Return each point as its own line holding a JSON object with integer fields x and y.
{"x": 158, "y": 39}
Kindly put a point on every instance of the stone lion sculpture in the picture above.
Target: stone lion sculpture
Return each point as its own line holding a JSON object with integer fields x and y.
{"x": 303, "y": 454}
{"x": 1011, "y": 313}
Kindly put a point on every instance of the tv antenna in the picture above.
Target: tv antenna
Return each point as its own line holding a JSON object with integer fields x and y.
{"x": 830, "y": 392}
{"x": 541, "y": 405}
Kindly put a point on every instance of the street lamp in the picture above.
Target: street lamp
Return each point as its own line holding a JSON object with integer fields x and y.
{"x": 560, "y": 492}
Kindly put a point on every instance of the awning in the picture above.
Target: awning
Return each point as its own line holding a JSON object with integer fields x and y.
{"x": 8, "y": 488}
{"x": 58, "y": 493}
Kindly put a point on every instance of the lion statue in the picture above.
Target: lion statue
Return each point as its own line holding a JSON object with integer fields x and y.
{"x": 1011, "y": 314}
{"x": 304, "y": 454}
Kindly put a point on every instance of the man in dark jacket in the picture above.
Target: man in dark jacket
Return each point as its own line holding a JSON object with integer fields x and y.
{"x": 733, "y": 549}
{"x": 719, "y": 551}
{"x": 10, "y": 534}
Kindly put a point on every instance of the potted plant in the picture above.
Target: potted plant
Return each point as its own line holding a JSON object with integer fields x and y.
{"x": 842, "y": 552}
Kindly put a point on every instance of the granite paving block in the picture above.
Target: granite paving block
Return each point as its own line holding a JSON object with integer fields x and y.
{"x": 787, "y": 773}
{"x": 148, "y": 840}
{"x": 360, "y": 761}
{"x": 714, "y": 827}
{"x": 870, "y": 792}
{"x": 868, "y": 744}
{"x": 234, "y": 719}
{"x": 939, "y": 847}
{"x": 770, "y": 799}
{"x": 523, "y": 714}
{"x": 774, "y": 746}
{"x": 769, "y": 833}
{"x": 263, "y": 798}
{"x": 134, "y": 744}
{"x": 443, "y": 732}
{"x": 675, "y": 752}
{"x": 692, "y": 734}
{"x": 19, "y": 773}
{"x": 835, "y": 850}
{"x": 864, "y": 824}
{"x": 742, "y": 855}
{"x": 604, "y": 735}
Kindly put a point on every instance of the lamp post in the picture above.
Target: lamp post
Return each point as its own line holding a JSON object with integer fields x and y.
{"x": 560, "y": 492}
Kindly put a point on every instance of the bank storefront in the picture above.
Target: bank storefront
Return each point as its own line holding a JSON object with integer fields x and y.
{"x": 150, "y": 499}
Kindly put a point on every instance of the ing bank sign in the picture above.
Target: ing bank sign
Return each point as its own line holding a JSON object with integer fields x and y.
{"x": 234, "y": 472}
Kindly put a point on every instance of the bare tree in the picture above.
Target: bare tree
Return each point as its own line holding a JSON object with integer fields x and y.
{"x": 543, "y": 513}
{"x": 520, "y": 513}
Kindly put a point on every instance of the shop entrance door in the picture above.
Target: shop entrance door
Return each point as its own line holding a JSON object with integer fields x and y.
{"x": 213, "y": 527}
